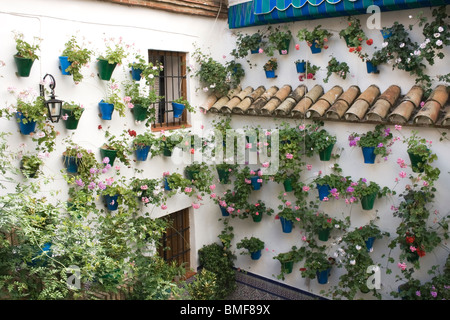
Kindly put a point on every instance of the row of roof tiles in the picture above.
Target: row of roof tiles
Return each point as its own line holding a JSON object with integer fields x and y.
{"x": 370, "y": 105}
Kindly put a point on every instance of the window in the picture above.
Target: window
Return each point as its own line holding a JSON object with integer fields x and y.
{"x": 170, "y": 85}
{"x": 175, "y": 244}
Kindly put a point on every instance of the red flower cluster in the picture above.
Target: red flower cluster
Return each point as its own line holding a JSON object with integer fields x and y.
{"x": 420, "y": 252}
{"x": 132, "y": 133}
{"x": 410, "y": 239}
{"x": 369, "y": 42}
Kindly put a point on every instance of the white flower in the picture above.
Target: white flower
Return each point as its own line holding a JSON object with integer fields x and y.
{"x": 352, "y": 262}
{"x": 402, "y": 45}
{"x": 335, "y": 254}
{"x": 408, "y": 60}
{"x": 410, "y": 16}
{"x": 423, "y": 45}
{"x": 205, "y": 89}
{"x": 384, "y": 44}
{"x": 440, "y": 29}
{"x": 417, "y": 52}
{"x": 427, "y": 40}
{"x": 151, "y": 76}
{"x": 437, "y": 35}
{"x": 337, "y": 226}
{"x": 439, "y": 43}
{"x": 212, "y": 86}
{"x": 358, "y": 247}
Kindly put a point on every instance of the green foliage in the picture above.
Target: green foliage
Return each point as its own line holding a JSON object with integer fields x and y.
{"x": 78, "y": 58}
{"x": 204, "y": 286}
{"x": 271, "y": 65}
{"x": 75, "y": 109}
{"x": 317, "y": 139}
{"x": 30, "y": 165}
{"x": 341, "y": 69}
{"x": 317, "y": 36}
{"x": 25, "y": 49}
{"x": 252, "y": 245}
{"x": 380, "y": 138}
{"x": 115, "y": 51}
{"x": 113, "y": 96}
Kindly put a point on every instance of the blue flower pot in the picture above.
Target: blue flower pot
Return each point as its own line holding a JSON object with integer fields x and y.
{"x": 46, "y": 248}
{"x": 371, "y": 68}
{"x": 286, "y": 225}
{"x": 386, "y": 33}
{"x": 71, "y": 164}
{"x": 106, "y": 110}
{"x": 322, "y": 276}
{"x": 315, "y": 49}
{"x": 224, "y": 211}
{"x": 254, "y": 51}
{"x": 178, "y": 109}
{"x": 25, "y": 128}
{"x": 64, "y": 63}
{"x": 166, "y": 185}
{"x": 369, "y": 154}
{"x": 111, "y": 202}
{"x": 301, "y": 67}
{"x": 324, "y": 190}
{"x": 255, "y": 255}
{"x": 270, "y": 74}
{"x": 136, "y": 74}
{"x": 369, "y": 243}
{"x": 255, "y": 184}
{"x": 142, "y": 153}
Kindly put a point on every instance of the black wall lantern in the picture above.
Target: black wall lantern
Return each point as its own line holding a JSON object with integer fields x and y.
{"x": 54, "y": 106}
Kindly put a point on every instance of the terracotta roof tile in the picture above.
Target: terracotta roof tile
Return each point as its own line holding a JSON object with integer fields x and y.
{"x": 338, "y": 104}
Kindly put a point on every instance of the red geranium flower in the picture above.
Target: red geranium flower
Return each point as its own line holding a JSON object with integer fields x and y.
{"x": 99, "y": 127}
{"x": 369, "y": 42}
{"x": 132, "y": 133}
{"x": 351, "y": 49}
{"x": 420, "y": 252}
{"x": 410, "y": 239}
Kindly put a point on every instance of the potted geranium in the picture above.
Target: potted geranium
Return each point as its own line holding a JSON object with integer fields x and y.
{"x": 30, "y": 165}
{"x": 317, "y": 265}
{"x": 257, "y": 210}
{"x": 321, "y": 141}
{"x": 278, "y": 40}
{"x": 26, "y": 54}
{"x": 80, "y": 161}
{"x": 369, "y": 233}
{"x": 320, "y": 223}
{"x": 373, "y": 142}
{"x": 419, "y": 152}
{"x": 112, "y": 102}
{"x": 29, "y": 111}
{"x": 73, "y": 58}
{"x": 287, "y": 216}
{"x": 200, "y": 175}
{"x": 287, "y": 260}
{"x": 148, "y": 191}
{"x": 252, "y": 245}
{"x": 367, "y": 192}
{"x": 114, "y": 54}
{"x": 306, "y": 68}
{"x": 116, "y": 147}
{"x": 353, "y": 35}
{"x": 140, "y": 100}
{"x": 175, "y": 181}
{"x": 246, "y": 43}
{"x": 142, "y": 144}
{"x": 341, "y": 69}
{"x": 71, "y": 114}
{"x": 270, "y": 67}
{"x": 224, "y": 170}
{"x": 178, "y": 106}
{"x": 331, "y": 185}
{"x": 316, "y": 39}
{"x": 167, "y": 142}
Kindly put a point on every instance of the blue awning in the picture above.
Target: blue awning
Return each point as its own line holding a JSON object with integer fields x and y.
{"x": 262, "y": 12}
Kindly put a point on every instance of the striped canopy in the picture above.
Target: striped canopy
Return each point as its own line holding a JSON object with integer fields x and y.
{"x": 261, "y": 12}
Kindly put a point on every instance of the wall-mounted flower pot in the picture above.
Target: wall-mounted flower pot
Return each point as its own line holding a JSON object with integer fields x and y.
{"x": 324, "y": 234}
{"x": 386, "y": 33}
{"x": 25, "y": 126}
{"x": 23, "y": 66}
{"x": 224, "y": 176}
{"x": 64, "y": 63}
{"x": 255, "y": 184}
{"x": 417, "y": 162}
{"x": 139, "y": 112}
{"x": 413, "y": 257}
{"x": 255, "y": 51}
{"x": 46, "y": 248}
{"x": 111, "y": 154}
{"x": 287, "y": 183}
{"x": 190, "y": 173}
{"x": 111, "y": 202}
{"x": 136, "y": 74}
{"x": 71, "y": 122}
{"x": 324, "y": 191}
{"x": 286, "y": 225}
{"x": 255, "y": 255}
{"x": 315, "y": 49}
{"x": 368, "y": 201}
{"x": 142, "y": 152}
{"x": 371, "y": 68}
{"x": 224, "y": 211}
{"x": 105, "y": 69}
{"x": 301, "y": 67}
{"x": 270, "y": 74}
{"x": 325, "y": 154}
{"x": 369, "y": 243}
{"x": 71, "y": 163}
{"x": 166, "y": 151}
{"x": 285, "y": 49}
{"x": 322, "y": 276}
{"x": 286, "y": 267}
{"x": 369, "y": 154}
{"x": 258, "y": 217}
{"x": 106, "y": 110}
{"x": 166, "y": 185}
{"x": 178, "y": 109}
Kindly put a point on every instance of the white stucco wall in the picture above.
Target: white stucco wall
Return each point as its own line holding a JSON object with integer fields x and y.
{"x": 55, "y": 21}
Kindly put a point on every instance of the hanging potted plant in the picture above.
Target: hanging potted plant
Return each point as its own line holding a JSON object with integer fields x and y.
{"x": 71, "y": 114}
{"x": 224, "y": 170}
{"x": 80, "y": 161}
{"x": 107, "y": 62}
{"x": 178, "y": 106}
{"x": 142, "y": 144}
{"x": 252, "y": 245}
{"x": 30, "y": 165}
{"x": 116, "y": 148}
{"x": 112, "y": 196}
{"x": 26, "y": 54}
{"x": 29, "y": 111}
{"x": 112, "y": 102}
{"x": 369, "y": 233}
{"x": 246, "y": 43}
{"x": 367, "y": 192}
{"x": 316, "y": 39}
{"x": 373, "y": 143}
{"x": 270, "y": 67}
{"x": 341, "y": 69}
{"x": 73, "y": 58}
{"x": 320, "y": 141}
{"x": 257, "y": 210}
{"x": 167, "y": 143}
{"x": 317, "y": 265}
{"x": 175, "y": 181}
{"x": 419, "y": 152}
{"x": 287, "y": 216}
{"x": 354, "y": 36}
{"x": 331, "y": 185}
{"x": 287, "y": 260}
{"x": 148, "y": 191}
{"x": 278, "y": 40}
{"x": 140, "y": 100}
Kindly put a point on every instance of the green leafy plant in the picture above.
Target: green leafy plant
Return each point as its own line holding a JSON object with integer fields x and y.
{"x": 120, "y": 144}
{"x": 363, "y": 188}
{"x": 310, "y": 70}
{"x": 25, "y": 49}
{"x": 149, "y": 70}
{"x": 113, "y": 96}
{"x": 78, "y": 57}
{"x": 316, "y": 260}
{"x": 252, "y": 244}
{"x": 278, "y": 38}
{"x": 292, "y": 256}
{"x": 30, "y": 165}
{"x": 318, "y": 139}
{"x": 257, "y": 209}
{"x": 148, "y": 191}
{"x": 271, "y": 65}
{"x": 354, "y": 35}
{"x": 380, "y": 138}
{"x": 186, "y": 104}
{"x": 115, "y": 51}
{"x": 341, "y": 69}
{"x": 318, "y": 36}
{"x": 75, "y": 109}
{"x": 137, "y": 95}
